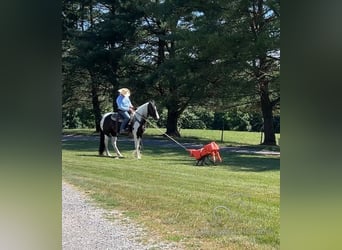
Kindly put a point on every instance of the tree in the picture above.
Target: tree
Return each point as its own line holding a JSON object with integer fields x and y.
{"x": 101, "y": 33}
{"x": 183, "y": 69}
{"x": 244, "y": 37}
{"x": 79, "y": 52}
{"x": 215, "y": 54}
{"x": 264, "y": 23}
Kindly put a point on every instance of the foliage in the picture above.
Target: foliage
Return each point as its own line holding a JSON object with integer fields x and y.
{"x": 183, "y": 54}
{"x": 192, "y": 118}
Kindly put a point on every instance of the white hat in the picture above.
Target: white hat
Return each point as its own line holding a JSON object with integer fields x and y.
{"x": 125, "y": 91}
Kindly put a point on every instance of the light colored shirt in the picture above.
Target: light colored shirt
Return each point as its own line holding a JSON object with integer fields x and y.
{"x": 123, "y": 102}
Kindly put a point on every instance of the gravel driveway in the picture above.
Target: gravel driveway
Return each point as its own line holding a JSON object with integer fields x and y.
{"x": 84, "y": 226}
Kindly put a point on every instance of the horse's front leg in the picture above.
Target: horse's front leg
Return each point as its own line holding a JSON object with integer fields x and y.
{"x": 114, "y": 140}
{"x": 137, "y": 147}
{"x": 106, "y": 138}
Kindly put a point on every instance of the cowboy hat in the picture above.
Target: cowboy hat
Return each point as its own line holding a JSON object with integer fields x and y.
{"x": 124, "y": 91}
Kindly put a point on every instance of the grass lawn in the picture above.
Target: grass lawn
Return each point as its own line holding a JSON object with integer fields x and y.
{"x": 233, "y": 205}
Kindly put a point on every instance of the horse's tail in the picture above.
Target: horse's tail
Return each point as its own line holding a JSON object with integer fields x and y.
{"x": 102, "y": 144}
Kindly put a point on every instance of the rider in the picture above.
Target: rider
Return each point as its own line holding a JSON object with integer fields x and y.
{"x": 125, "y": 107}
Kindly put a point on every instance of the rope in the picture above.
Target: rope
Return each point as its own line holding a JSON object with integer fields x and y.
{"x": 179, "y": 144}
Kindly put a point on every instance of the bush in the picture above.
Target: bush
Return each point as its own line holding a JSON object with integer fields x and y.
{"x": 70, "y": 119}
{"x": 191, "y": 119}
{"x": 78, "y": 118}
{"x": 235, "y": 119}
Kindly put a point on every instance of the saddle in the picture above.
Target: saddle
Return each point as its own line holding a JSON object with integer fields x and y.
{"x": 116, "y": 117}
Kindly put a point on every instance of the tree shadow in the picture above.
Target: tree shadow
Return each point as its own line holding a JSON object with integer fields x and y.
{"x": 99, "y": 156}
{"x": 233, "y": 161}
{"x": 79, "y": 145}
{"x": 250, "y": 162}
{"x": 93, "y": 146}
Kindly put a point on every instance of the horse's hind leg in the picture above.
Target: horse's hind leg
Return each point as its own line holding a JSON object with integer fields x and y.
{"x": 102, "y": 144}
{"x": 114, "y": 140}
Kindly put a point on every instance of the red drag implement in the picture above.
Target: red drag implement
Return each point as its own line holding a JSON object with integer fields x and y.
{"x": 209, "y": 153}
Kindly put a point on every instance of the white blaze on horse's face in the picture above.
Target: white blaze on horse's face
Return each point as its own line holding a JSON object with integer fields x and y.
{"x": 153, "y": 111}
{"x": 157, "y": 115}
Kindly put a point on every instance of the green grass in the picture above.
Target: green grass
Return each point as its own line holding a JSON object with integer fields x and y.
{"x": 233, "y": 205}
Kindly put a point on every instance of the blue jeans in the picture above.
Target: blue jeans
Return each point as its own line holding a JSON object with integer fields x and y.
{"x": 126, "y": 117}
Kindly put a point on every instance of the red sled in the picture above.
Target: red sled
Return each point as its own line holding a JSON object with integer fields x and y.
{"x": 209, "y": 153}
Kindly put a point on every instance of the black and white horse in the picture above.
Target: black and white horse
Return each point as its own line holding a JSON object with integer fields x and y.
{"x": 110, "y": 127}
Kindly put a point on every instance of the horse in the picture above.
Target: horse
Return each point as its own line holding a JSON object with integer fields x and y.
{"x": 110, "y": 126}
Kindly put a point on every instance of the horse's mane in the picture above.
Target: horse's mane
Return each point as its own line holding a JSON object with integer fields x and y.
{"x": 146, "y": 103}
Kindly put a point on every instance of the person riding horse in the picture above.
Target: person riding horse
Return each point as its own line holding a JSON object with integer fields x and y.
{"x": 125, "y": 108}
{"x": 109, "y": 128}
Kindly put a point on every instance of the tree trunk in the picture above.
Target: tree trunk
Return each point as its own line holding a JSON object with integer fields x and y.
{"x": 114, "y": 93}
{"x": 161, "y": 52}
{"x": 95, "y": 101}
{"x": 267, "y": 113}
{"x": 112, "y": 68}
{"x": 172, "y": 121}
{"x": 96, "y": 107}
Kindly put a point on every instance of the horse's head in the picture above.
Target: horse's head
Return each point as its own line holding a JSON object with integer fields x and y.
{"x": 152, "y": 110}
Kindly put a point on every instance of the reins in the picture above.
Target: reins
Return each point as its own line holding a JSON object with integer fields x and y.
{"x": 179, "y": 144}
{"x": 145, "y": 118}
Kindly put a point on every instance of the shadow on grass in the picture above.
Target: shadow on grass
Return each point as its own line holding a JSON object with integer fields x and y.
{"x": 79, "y": 145}
{"x": 231, "y": 160}
{"x": 93, "y": 146}
{"x": 250, "y": 162}
{"x": 95, "y": 156}
{"x": 177, "y": 156}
